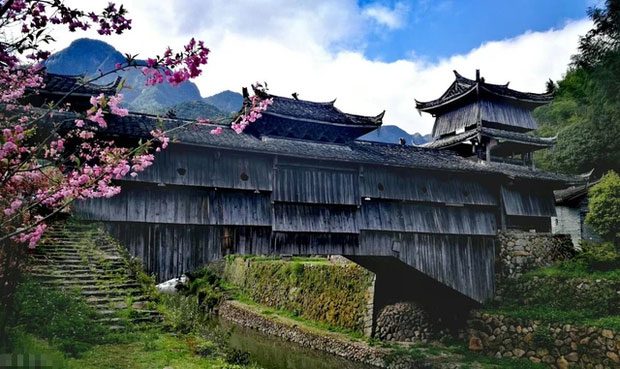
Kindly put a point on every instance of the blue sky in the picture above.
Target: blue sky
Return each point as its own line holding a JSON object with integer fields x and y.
{"x": 441, "y": 28}
{"x": 372, "y": 55}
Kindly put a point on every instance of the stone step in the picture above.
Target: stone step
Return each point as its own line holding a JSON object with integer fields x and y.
{"x": 90, "y": 285}
{"x": 81, "y": 267}
{"x": 103, "y": 300}
{"x": 84, "y": 275}
{"x": 137, "y": 305}
{"x": 110, "y": 293}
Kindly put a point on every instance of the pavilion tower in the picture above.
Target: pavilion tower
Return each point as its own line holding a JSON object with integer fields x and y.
{"x": 486, "y": 121}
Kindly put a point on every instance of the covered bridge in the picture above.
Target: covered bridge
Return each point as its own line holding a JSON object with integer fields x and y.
{"x": 297, "y": 182}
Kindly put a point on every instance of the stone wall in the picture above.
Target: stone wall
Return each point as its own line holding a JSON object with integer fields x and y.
{"x": 406, "y": 322}
{"x": 561, "y": 346}
{"x": 519, "y": 252}
{"x": 339, "y": 294}
{"x": 324, "y": 341}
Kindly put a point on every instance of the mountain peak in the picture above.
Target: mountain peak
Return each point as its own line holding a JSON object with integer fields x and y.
{"x": 226, "y": 101}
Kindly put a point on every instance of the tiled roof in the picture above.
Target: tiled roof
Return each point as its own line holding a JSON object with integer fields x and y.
{"x": 318, "y": 121}
{"x": 61, "y": 84}
{"x": 356, "y": 151}
{"x": 493, "y": 133}
{"x": 462, "y": 86}
{"x": 317, "y": 111}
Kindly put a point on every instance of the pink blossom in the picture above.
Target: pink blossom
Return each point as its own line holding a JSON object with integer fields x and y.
{"x": 216, "y": 131}
{"x": 98, "y": 118}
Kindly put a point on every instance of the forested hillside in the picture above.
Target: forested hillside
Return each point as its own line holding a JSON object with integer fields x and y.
{"x": 586, "y": 111}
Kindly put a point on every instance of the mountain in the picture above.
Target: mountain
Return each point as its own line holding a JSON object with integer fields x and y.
{"x": 194, "y": 110}
{"x": 226, "y": 101}
{"x": 392, "y": 134}
{"x": 89, "y": 57}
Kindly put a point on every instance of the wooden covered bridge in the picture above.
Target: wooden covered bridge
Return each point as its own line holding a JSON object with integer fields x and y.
{"x": 298, "y": 182}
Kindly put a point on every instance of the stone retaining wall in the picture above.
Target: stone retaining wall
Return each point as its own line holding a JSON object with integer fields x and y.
{"x": 406, "y": 322}
{"x": 519, "y": 252}
{"x": 324, "y": 341}
{"x": 561, "y": 346}
{"x": 339, "y": 294}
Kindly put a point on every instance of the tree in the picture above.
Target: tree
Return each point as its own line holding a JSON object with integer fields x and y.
{"x": 47, "y": 159}
{"x": 604, "y": 207}
{"x": 585, "y": 114}
{"x": 603, "y": 38}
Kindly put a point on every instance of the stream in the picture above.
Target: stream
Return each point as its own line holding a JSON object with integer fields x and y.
{"x": 275, "y": 353}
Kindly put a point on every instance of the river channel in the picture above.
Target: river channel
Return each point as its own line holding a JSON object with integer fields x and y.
{"x": 275, "y": 353}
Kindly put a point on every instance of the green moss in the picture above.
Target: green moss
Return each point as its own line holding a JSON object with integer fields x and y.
{"x": 311, "y": 288}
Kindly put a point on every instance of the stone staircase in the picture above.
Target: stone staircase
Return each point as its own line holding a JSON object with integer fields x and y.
{"x": 82, "y": 257}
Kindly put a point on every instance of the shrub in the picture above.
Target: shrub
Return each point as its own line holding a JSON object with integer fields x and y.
{"x": 237, "y": 357}
{"x": 599, "y": 256}
{"x": 604, "y": 207}
{"x": 542, "y": 337}
{"x": 61, "y": 317}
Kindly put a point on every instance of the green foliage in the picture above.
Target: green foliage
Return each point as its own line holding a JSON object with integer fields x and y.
{"x": 206, "y": 285}
{"x": 604, "y": 207}
{"x": 237, "y": 357}
{"x": 204, "y": 347}
{"x": 603, "y": 38}
{"x": 182, "y": 313}
{"x": 598, "y": 257}
{"x": 64, "y": 318}
{"x": 542, "y": 337}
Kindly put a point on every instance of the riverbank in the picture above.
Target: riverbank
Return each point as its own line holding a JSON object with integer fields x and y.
{"x": 369, "y": 352}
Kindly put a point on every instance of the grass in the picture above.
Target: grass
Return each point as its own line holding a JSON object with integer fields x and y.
{"x": 575, "y": 270}
{"x": 143, "y": 350}
{"x": 456, "y": 352}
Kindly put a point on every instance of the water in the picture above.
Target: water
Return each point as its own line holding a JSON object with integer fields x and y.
{"x": 275, "y": 353}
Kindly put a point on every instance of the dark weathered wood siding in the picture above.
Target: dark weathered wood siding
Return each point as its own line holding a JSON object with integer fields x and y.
{"x": 316, "y": 185}
{"x": 169, "y": 250}
{"x": 180, "y": 205}
{"x": 493, "y": 112}
{"x": 210, "y": 168}
{"x": 463, "y": 263}
{"x": 412, "y": 185}
{"x": 315, "y": 218}
{"x": 422, "y": 218}
{"x": 528, "y": 201}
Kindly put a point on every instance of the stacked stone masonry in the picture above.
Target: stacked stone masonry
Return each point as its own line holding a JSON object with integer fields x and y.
{"x": 519, "y": 252}
{"x": 560, "y": 346}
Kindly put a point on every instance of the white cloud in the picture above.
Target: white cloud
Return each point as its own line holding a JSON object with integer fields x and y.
{"x": 392, "y": 18}
{"x": 309, "y": 48}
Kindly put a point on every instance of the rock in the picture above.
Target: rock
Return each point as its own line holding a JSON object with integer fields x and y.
{"x": 475, "y": 344}
{"x": 607, "y": 333}
{"x": 573, "y": 356}
{"x": 518, "y": 352}
{"x": 613, "y": 357}
{"x": 562, "y": 363}
{"x": 170, "y": 287}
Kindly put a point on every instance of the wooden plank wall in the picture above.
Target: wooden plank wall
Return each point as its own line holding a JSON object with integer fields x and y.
{"x": 169, "y": 250}
{"x": 464, "y": 263}
{"x": 180, "y": 205}
{"x": 493, "y": 112}
{"x": 423, "y": 218}
{"x": 527, "y": 201}
{"x": 191, "y": 166}
{"x": 305, "y": 184}
{"x": 411, "y": 185}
